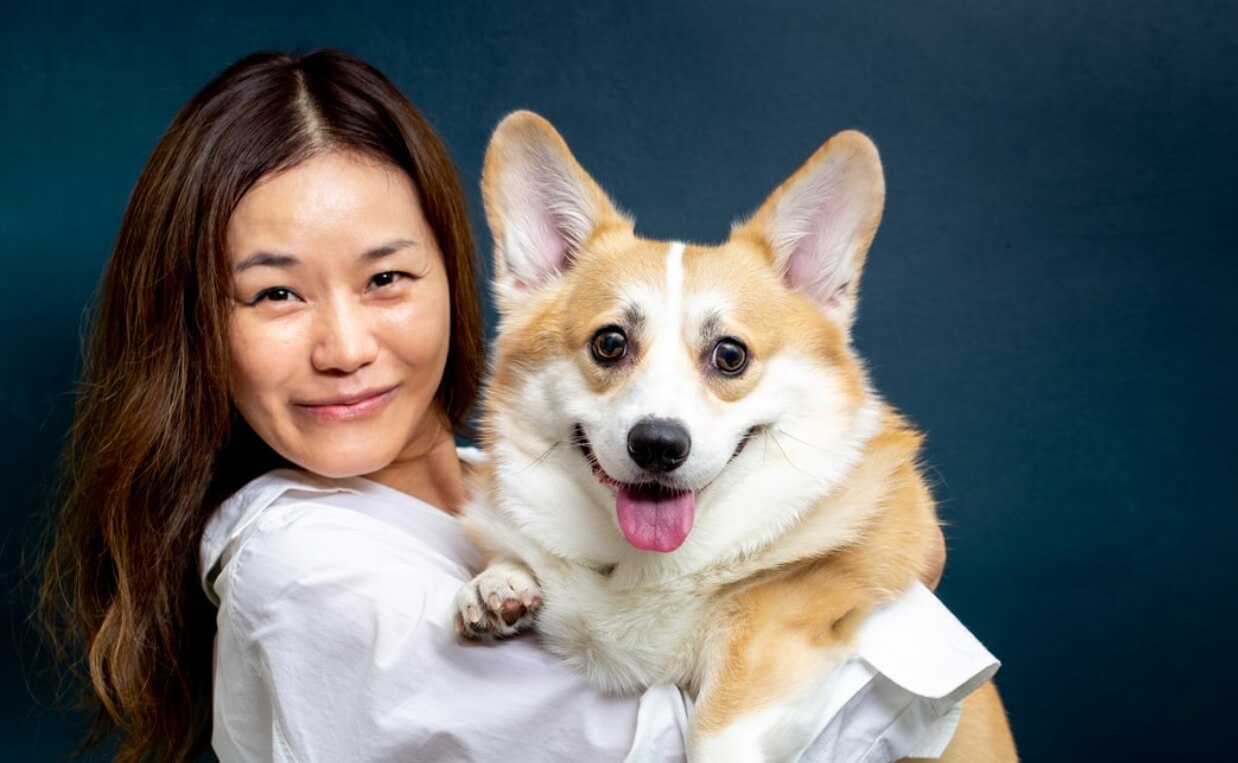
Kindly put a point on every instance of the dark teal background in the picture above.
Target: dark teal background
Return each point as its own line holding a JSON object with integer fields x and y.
{"x": 1051, "y": 295}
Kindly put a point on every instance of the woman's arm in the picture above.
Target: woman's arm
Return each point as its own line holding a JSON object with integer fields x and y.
{"x": 335, "y": 643}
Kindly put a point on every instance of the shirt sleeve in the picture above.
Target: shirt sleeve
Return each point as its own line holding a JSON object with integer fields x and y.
{"x": 335, "y": 643}
{"x": 901, "y": 695}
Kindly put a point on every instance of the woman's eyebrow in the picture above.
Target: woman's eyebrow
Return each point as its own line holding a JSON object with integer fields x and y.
{"x": 267, "y": 259}
{"x": 391, "y": 247}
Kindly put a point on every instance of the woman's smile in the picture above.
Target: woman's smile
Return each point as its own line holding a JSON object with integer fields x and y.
{"x": 348, "y": 407}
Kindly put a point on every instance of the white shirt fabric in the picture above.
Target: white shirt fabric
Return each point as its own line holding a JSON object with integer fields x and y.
{"x": 335, "y": 643}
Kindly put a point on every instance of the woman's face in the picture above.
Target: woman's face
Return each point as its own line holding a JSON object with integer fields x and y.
{"x": 340, "y": 317}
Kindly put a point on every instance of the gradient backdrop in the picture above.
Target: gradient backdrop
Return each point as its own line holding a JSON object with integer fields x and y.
{"x": 1051, "y": 295}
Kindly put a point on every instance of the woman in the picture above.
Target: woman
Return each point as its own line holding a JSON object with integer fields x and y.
{"x": 293, "y": 285}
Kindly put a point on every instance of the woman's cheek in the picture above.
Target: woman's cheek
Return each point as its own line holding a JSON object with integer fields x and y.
{"x": 267, "y": 354}
{"x": 418, "y": 332}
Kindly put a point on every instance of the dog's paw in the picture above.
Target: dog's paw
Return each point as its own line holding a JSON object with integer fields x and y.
{"x": 499, "y": 602}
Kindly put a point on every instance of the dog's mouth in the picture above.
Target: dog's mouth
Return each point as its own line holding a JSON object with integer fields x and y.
{"x": 653, "y": 516}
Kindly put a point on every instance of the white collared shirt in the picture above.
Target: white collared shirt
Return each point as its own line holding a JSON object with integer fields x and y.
{"x": 335, "y": 643}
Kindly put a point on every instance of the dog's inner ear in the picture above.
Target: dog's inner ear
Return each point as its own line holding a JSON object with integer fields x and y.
{"x": 819, "y": 224}
{"x": 547, "y": 226}
{"x": 542, "y": 206}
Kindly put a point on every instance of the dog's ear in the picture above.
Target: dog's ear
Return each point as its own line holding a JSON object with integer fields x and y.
{"x": 817, "y": 226}
{"x": 541, "y": 205}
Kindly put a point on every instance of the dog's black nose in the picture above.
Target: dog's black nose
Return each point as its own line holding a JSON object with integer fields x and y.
{"x": 659, "y": 445}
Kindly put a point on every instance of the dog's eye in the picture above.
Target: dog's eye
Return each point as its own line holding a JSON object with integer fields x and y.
{"x": 730, "y": 357}
{"x": 609, "y": 345}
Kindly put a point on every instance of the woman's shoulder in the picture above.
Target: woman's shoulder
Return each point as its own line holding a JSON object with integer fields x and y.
{"x": 282, "y": 487}
{"x": 246, "y": 504}
{"x": 240, "y": 513}
{"x": 290, "y": 529}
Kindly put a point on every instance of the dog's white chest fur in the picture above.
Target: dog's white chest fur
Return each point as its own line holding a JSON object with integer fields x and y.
{"x": 624, "y": 638}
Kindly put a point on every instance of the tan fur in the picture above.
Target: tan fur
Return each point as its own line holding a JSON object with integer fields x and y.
{"x": 562, "y": 319}
{"x": 810, "y": 591}
{"x": 771, "y": 322}
{"x": 983, "y": 735}
{"x": 784, "y": 625}
{"x": 780, "y": 614}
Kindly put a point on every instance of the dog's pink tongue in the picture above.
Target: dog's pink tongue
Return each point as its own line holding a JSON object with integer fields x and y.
{"x": 655, "y": 520}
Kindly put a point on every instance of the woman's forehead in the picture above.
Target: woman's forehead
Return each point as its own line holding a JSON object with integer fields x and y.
{"x": 331, "y": 200}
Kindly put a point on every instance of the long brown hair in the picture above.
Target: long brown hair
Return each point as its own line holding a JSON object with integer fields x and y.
{"x": 155, "y": 443}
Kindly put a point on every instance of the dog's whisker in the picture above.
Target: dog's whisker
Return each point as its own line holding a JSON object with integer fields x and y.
{"x": 941, "y": 478}
{"x": 792, "y": 463}
{"x": 785, "y": 433}
{"x": 545, "y": 454}
{"x": 541, "y": 458}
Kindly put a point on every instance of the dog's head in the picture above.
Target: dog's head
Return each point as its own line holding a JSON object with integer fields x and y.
{"x": 652, "y": 387}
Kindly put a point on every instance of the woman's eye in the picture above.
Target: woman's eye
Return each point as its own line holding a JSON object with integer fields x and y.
{"x": 609, "y": 345}
{"x": 730, "y": 357}
{"x": 274, "y": 294}
{"x": 385, "y": 279}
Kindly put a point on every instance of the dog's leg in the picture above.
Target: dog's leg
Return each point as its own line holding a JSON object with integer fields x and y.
{"x": 499, "y": 602}
{"x": 761, "y": 699}
{"x": 775, "y": 733}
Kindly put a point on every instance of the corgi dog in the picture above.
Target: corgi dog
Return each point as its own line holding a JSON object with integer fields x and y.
{"x": 691, "y": 479}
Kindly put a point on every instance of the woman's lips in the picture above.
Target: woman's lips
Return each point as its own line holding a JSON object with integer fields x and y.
{"x": 348, "y": 408}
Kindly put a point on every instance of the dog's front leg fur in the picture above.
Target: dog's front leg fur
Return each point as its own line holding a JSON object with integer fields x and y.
{"x": 773, "y": 723}
{"x": 500, "y": 602}
{"x": 762, "y": 695}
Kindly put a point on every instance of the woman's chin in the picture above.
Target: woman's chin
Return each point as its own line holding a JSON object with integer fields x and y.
{"x": 341, "y": 463}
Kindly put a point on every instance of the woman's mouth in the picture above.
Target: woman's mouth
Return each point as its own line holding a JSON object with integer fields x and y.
{"x": 348, "y": 407}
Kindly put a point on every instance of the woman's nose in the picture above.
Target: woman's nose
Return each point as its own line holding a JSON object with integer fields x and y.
{"x": 345, "y": 340}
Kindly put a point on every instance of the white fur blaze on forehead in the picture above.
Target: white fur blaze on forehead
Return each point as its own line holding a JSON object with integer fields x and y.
{"x": 670, "y": 332}
{"x": 674, "y": 275}
{"x": 669, "y": 343}
{"x": 541, "y": 205}
{"x": 821, "y": 221}
{"x": 659, "y": 389}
